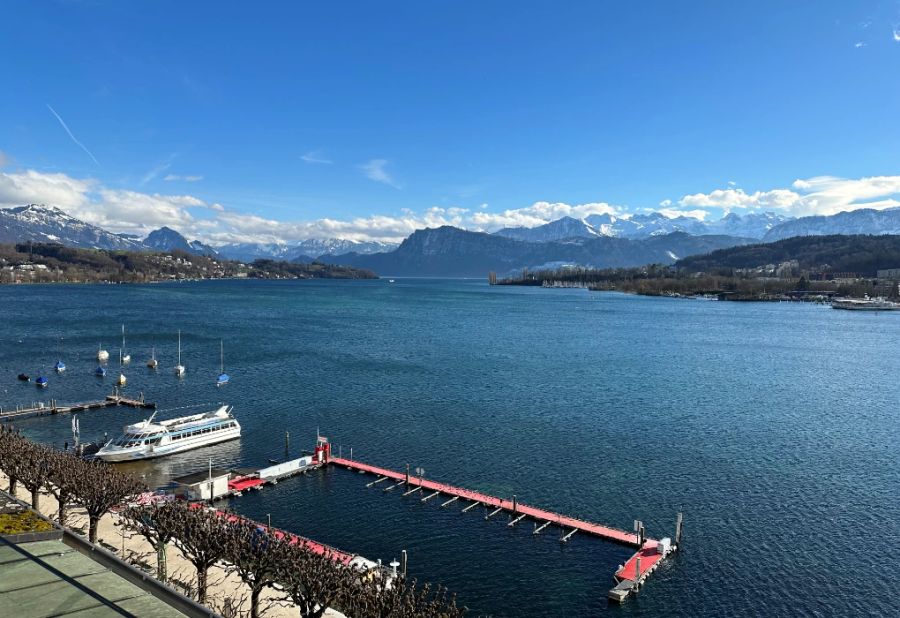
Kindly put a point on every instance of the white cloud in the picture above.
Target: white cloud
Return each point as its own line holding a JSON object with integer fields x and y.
{"x": 540, "y": 213}
{"x": 896, "y": 33}
{"x": 4, "y": 159}
{"x": 821, "y": 195}
{"x": 316, "y": 156}
{"x": 375, "y": 170}
{"x": 859, "y": 44}
{"x": 136, "y": 212}
{"x": 176, "y": 177}
{"x": 30, "y": 186}
{"x": 156, "y": 171}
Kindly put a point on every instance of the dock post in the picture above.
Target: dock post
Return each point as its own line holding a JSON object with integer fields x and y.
{"x": 351, "y": 453}
{"x": 407, "y": 474}
{"x": 287, "y": 445}
{"x": 679, "y": 521}
{"x": 514, "y": 504}
{"x": 403, "y": 563}
{"x": 637, "y": 572}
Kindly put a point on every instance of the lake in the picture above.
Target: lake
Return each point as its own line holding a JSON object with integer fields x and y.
{"x": 774, "y": 427}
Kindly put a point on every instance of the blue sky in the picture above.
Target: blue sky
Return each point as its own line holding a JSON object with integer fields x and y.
{"x": 223, "y": 119}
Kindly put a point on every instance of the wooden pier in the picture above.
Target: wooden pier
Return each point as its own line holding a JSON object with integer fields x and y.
{"x": 629, "y": 577}
{"x": 41, "y": 408}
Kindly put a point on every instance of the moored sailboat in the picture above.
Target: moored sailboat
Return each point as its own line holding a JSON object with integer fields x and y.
{"x": 102, "y": 355}
{"x": 179, "y": 368}
{"x": 153, "y": 363}
{"x": 124, "y": 356}
{"x": 223, "y": 377}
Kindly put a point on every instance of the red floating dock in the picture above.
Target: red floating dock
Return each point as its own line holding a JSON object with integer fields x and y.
{"x": 629, "y": 577}
{"x": 605, "y": 532}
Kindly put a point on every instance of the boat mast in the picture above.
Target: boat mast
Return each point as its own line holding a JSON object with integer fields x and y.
{"x": 222, "y": 354}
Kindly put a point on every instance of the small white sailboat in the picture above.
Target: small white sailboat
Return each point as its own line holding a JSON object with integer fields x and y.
{"x": 153, "y": 363}
{"x": 223, "y": 378}
{"x": 102, "y": 355}
{"x": 179, "y": 368}
{"x": 122, "y": 381}
{"x": 60, "y": 366}
{"x": 125, "y": 357}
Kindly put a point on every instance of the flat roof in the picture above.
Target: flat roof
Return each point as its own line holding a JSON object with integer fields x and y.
{"x": 199, "y": 477}
{"x": 49, "y": 578}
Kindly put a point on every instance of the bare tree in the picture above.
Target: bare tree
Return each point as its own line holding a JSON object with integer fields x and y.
{"x": 199, "y": 537}
{"x": 98, "y": 487}
{"x": 313, "y": 581}
{"x": 61, "y": 481}
{"x": 158, "y": 525}
{"x": 253, "y": 553}
{"x": 33, "y": 469}
{"x": 380, "y": 597}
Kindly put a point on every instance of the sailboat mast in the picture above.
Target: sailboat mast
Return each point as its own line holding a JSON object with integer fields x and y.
{"x": 222, "y": 354}
{"x": 179, "y": 348}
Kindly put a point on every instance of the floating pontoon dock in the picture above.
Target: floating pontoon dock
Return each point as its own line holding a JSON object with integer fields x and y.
{"x": 629, "y": 577}
{"x": 41, "y": 408}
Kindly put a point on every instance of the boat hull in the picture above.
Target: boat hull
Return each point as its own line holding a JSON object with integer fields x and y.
{"x": 145, "y": 452}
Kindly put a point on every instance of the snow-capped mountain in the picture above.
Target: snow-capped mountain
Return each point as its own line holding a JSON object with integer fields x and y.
{"x": 167, "y": 239}
{"x": 41, "y": 223}
{"x": 753, "y": 225}
{"x": 862, "y": 221}
{"x": 567, "y": 227}
{"x": 302, "y": 250}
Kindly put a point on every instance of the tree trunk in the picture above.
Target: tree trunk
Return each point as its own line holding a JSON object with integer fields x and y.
{"x": 201, "y": 584}
{"x": 36, "y": 499}
{"x": 61, "y": 515}
{"x": 254, "y": 601}
{"x": 92, "y": 528}
{"x": 12, "y": 486}
{"x": 161, "y": 567}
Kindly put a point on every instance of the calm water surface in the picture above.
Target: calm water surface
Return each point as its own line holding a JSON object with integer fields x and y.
{"x": 774, "y": 427}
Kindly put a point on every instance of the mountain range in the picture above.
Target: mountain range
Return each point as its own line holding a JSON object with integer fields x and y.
{"x": 596, "y": 241}
{"x": 303, "y": 250}
{"x": 451, "y": 252}
{"x": 752, "y": 225}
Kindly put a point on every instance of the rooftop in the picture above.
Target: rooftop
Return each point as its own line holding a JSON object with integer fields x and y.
{"x": 49, "y": 578}
{"x": 199, "y": 477}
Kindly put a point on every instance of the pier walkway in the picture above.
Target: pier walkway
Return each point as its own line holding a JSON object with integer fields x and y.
{"x": 628, "y": 578}
{"x": 41, "y": 408}
{"x": 605, "y": 532}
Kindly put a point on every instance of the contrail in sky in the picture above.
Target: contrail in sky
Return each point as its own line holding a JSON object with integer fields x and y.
{"x": 74, "y": 139}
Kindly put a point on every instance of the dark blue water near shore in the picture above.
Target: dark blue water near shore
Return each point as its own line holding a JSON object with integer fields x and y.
{"x": 774, "y": 427}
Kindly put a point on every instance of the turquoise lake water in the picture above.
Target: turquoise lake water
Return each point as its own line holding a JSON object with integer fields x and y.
{"x": 773, "y": 427}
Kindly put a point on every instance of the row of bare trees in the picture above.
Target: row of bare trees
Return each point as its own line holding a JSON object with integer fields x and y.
{"x": 94, "y": 486}
{"x": 313, "y": 578}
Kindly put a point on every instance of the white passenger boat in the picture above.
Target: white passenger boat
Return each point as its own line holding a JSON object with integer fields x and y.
{"x": 865, "y": 304}
{"x": 147, "y": 439}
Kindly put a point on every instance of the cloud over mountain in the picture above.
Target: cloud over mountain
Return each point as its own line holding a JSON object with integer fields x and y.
{"x": 135, "y": 212}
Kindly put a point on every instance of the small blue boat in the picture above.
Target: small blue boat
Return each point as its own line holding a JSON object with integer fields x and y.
{"x": 100, "y": 371}
{"x": 59, "y": 366}
{"x": 222, "y": 379}
{"x": 42, "y": 382}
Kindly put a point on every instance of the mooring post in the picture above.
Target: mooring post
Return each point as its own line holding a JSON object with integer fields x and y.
{"x": 351, "y": 453}
{"x": 407, "y": 474}
{"x": 515, "y": 504}
{"x": 287, "y": 445}
{"x": 637, "y": 572}
{"x": 403, "y": 563}
{"x": 679, "y": 521}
